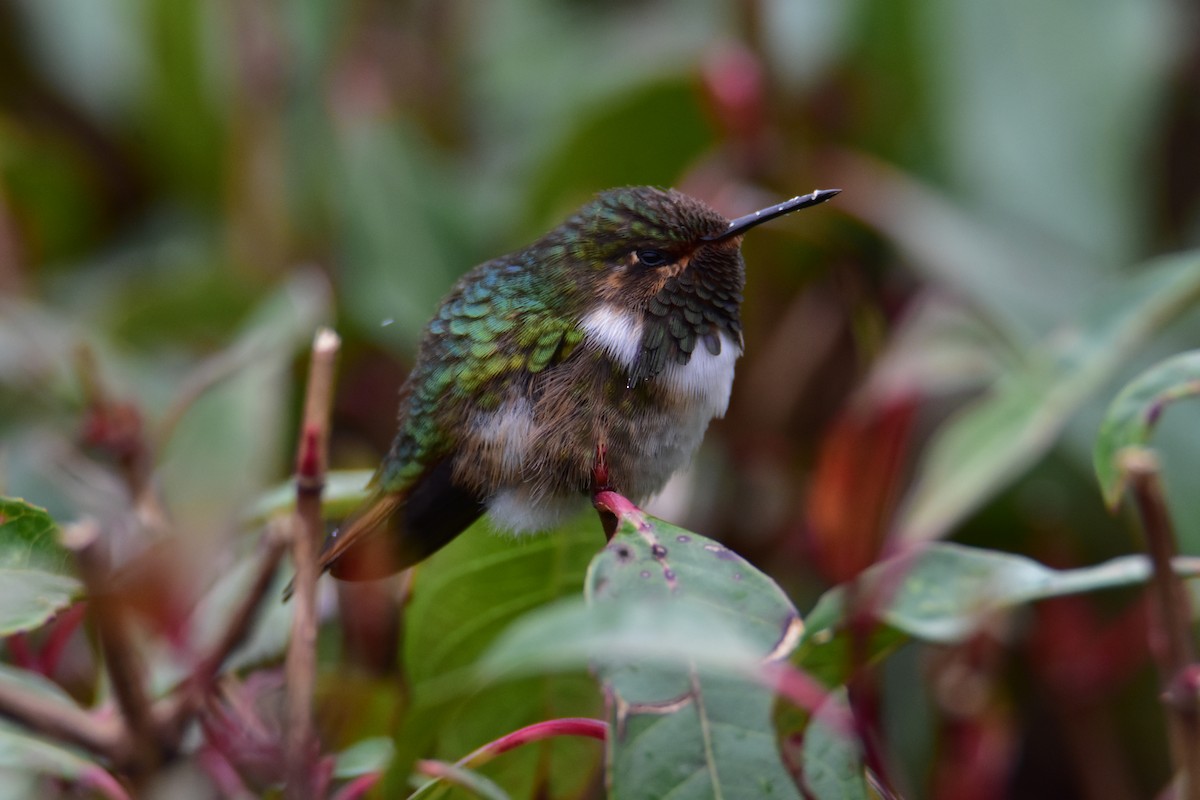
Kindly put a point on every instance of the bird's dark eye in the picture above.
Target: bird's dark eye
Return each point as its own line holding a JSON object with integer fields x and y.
{"x": 649, "y": 257}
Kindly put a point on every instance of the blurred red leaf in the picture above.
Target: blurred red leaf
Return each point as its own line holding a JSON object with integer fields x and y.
{"x": 853, "y": 494}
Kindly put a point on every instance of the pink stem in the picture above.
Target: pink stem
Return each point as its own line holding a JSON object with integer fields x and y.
{"x": 615, "y": 503}
{"x": 569, "y": 726}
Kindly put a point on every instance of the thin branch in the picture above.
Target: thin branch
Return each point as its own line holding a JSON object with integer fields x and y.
{"x": 244, "y": 616}
{"x": 144, "y": 733}
{"x": 62, "y": 722}
{"x": 301, "y": 745}
{"x": 1174, "y": 643}
{"x": 116, "y": 427}
{"x": 1171, "y": 641}
{"x": 176, "y": 711}
{"x": 125, "y": 670}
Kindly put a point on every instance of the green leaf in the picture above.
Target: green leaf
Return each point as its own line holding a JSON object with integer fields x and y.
{"x": 344, "y": 491}
{"x": 941, "y": 593}
{"x": 676, "y": 625}
{"x": 463, "y": 598}
{"x": 683, "y": 730}
{"x": 1133, "y": 413}
{"x": 833, "y": 768}
{"x": 988, "y": 444}
{"x": 35, "y": 583}
{"x": 573, "y": 634}
{"x": 366, "y": 756}
{"x": 454, "y": 774}
{"x": 655, "y": 647}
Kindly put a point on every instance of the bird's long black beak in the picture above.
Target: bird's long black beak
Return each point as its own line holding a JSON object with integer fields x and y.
{"x": 743, "y": 224}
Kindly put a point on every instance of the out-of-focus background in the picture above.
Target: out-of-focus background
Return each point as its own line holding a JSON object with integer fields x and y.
{"x": 188, "y": 187}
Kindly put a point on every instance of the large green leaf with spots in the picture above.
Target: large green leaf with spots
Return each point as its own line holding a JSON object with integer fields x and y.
{"x": 679, "y": 630}
{"x": 681, "y": 730}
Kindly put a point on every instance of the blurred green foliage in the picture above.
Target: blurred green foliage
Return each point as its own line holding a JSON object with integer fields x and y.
{"x": 188, "y": 187}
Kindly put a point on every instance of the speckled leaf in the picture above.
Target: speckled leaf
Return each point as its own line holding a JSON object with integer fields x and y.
{"x": 683, "y": 730}
{"x": 1130, "y": 419}
{"x": 34, "y": 580}
{"x": 943, "y": 592}
{"x": 571, "y": 634}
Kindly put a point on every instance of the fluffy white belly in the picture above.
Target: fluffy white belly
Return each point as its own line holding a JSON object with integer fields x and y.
{"x": 667, "y": 437}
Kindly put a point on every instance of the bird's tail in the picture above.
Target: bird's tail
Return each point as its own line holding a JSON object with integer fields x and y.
{"x": 360, "y": 549}
{"x": 400, "y": 528}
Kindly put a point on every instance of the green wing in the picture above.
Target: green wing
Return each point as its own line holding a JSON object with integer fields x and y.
{"x": 497, "y": 326}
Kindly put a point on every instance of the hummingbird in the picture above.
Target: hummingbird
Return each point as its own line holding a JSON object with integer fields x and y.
{"x": 614, "y": 336}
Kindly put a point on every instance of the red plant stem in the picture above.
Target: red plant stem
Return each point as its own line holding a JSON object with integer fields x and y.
{"x": 1170, "y": 632}
{"x": 176, "y": 711}
{"x": 549, "y": 729}
{"x": 301, "y": 745}
{"x": 1174, "y": 645}
{"x": 243, "y": 617}
{"x": 568, "y": 726}
{"x": 613, "y": 503}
